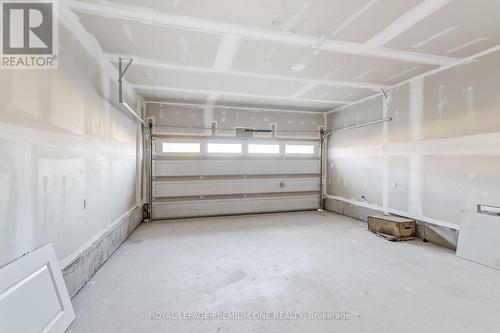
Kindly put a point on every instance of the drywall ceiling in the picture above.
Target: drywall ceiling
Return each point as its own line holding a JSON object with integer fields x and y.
{"x": 311, "y": 55}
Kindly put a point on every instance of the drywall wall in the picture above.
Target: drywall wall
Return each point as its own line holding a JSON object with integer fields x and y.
{"x": 183, "y": 119}
{"x": 439, "y": 155}
{"x": 69, "y": 155}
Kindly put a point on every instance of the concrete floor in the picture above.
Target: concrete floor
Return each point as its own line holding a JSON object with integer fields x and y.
{"x": 297, "y": 262}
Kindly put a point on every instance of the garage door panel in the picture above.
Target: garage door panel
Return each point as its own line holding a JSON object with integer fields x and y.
{"x": 169, "y": 168}
{"x": 189, "y": 208}
{"x": 210, "y": 176}
{"x": 165, "y": 189}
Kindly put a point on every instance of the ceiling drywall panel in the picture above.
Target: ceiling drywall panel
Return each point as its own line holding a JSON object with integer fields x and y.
{"x": 234, "y": 102}
{"x": 276, "y": 103}
{"x": 143, "y": 75}
{"x": 304, "y": 55}
{"x": 262, "y": 14}
{"x": 174, "y": 96}
{"x": 336, "y": 93}
{"x": 354, "y": 20}
{"x": 322, "y": 18}
{"x": 461, "y": 29}
{"x": 154, "y": 42}
{"x": 317, "y": 18}
{"x": 296, "y": 61}
{"x": 370, "y": 19}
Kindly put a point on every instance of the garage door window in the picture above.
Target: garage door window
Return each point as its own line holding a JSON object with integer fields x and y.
{"x": 299, "y": 149}
{"x": 263, "y": 149}
{"x": 181, "y": 147}
{"x": 224, "y": 148}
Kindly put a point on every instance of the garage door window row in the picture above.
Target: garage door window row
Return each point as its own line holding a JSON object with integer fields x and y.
{"x": 237, "y": 148}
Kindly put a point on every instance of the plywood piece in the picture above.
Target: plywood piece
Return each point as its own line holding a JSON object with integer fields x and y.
{"x": 33, "y": 296}
{"x": 479, "y": 239}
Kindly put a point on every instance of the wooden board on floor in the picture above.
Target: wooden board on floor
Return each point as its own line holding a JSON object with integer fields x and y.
{"x": 397, "y": 228}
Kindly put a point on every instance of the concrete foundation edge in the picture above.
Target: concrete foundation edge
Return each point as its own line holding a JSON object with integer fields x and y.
{"x": 434, "y": 234}
{"x": 77, "y": 273}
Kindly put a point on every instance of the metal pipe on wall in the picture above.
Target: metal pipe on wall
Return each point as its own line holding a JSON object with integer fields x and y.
{"x": 323, "y": 137}
{"x": 121, "y": 73}
{"x": 151, "y": 148}
{"x": 375, "y": 122}
{"x": 320, "y": 198}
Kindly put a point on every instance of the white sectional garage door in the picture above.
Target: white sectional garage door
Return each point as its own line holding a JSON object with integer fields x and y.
{"x": 200, "y": 176}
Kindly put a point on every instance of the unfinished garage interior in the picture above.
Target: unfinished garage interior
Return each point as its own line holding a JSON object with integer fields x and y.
{"x": 250, "y": 166}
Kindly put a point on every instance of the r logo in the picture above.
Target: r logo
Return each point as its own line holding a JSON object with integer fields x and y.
{"x": 27, "y": 28}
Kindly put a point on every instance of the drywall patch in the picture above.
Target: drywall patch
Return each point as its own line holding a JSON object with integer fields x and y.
{"x": 290, "y": 24}
{"x": 268, "y": 57}
{"x": 331, "y": 73}
{"x": 148, "y": 74}
{"x": 352, "y": 18}
{"x": 416, "y": 96}
{"x": 443, "y": 100}
{"x": 208, "y": 111}
{"x": 184, "y": 47}
{"x": 128, "y": 32}
{"x": 227, "y": 51}
{"x": 439, "y": 34}
{"x": 402, "y": 73}
{"x": 406, "y": 21}
{"x": 363, "y": 75}
{"x": 471, "y": 110}
{"x": 415, "y": 186}
{"x": 466, "y": 45}
{"x": 304, "y": 89}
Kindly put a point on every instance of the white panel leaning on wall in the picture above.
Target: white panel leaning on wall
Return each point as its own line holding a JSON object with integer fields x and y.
{"x": 33, "y": 295}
